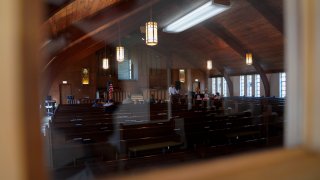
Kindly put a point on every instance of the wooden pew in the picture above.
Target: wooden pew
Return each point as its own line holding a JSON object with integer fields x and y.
{"x": 221, "y": 130}
{"x": 141, "y": 138}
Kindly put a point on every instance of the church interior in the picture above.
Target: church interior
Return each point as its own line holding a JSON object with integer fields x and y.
{"x": 134, "y": 85}
{"x": 135, "y": 89}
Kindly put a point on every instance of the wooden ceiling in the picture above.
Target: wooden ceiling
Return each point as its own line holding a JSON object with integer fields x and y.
{"x": 78, "y": 28}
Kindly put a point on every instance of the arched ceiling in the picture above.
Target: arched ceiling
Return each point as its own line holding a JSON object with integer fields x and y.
{"x": 79, "y": 28}
{"x": 72, "y": 12}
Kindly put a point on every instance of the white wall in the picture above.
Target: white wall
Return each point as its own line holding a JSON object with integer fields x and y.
{"x": 236, "y": 85}
{"x": 274, "y": 80}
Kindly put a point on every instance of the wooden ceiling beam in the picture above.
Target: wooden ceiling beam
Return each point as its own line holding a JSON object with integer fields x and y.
{"x": 73, "y": 11}
{"x": 226, "y": 77}
{"x": 54, "y": 6}
{"x": 274, "y": 17}
{"x": 239, "y": 47}
{"x": 223, "y": 2}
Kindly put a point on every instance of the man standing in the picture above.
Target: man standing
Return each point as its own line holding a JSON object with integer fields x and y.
{"x": 172, "y": 90}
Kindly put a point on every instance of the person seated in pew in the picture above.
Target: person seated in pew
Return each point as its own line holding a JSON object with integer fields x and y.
{"x": 152, "y": 99}
{"x": 197, "y": 99}
{"x": 217, "y": 100}
{"x": 206, "y": 95}
{"x": 199, "y": 96}
{"x": 217, "y": 96}
{"x": 108, "y": 103}
{"x": 109, "y": 106}
{"x": 97, "y": 103}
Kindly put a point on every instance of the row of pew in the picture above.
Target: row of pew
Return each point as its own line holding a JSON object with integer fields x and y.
{"x": 81, "y": 134}
{"x": 82, "y": 130}
{"x": 257, "y": 105}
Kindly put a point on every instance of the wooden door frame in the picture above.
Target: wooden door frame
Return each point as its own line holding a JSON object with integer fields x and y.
{"x": 60, "y": 94}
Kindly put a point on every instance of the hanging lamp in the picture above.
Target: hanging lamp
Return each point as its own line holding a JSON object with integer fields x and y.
{"x": 151, "y": 31}
{"x": 119, "y": 49}
{"x": 105, "y": 60}
{"x": 120, "y": 53}
{"x": 105, "y": 63}
{"x": 249, "y": 58}
{"x": 209, "y": 64}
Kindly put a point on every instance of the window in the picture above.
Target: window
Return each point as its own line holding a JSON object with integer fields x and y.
{"x": 219, "y": 85}
{"x": 241, "y": 85}
{"x": 224, "y": 88}
{"x": 257, "y": 85}
{"x": 249, "y": 85}
{"x": 214, "y": 90}
{"x": 125, "y": 70}
{"x": 283, "y": 80}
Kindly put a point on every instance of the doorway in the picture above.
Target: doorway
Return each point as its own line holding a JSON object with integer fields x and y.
{"x": 64, "y": 91}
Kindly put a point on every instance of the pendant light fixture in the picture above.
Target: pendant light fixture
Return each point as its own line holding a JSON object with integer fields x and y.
{"x": 105, "y": 60}
{"x": 209, "y": 64}
{"x": 151, "y": 31}
{"x": 249, "y": 58}
{"x": 120, "y": 53}
{"x": 119, "y": 49}
{"x": 105, "y": 63}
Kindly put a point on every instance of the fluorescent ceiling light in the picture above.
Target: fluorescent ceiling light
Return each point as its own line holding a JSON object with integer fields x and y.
{"x": 196, "y": 16}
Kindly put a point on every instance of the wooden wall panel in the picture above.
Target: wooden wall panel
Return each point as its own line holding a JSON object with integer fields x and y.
{"x": 151, "y": 67}
{"x": 71, "y": 72}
